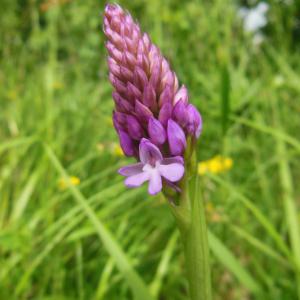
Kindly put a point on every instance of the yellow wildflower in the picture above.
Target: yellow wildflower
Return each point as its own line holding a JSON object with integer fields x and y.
{"x": 111, "y": 147}
{"x": 215, "y": 165}
{"x": 72, "y": 180}
{"x": 117, "y": 150}
{"x": 202, "y": 168}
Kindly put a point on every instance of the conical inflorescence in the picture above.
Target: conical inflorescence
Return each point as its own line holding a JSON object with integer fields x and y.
{"x": 152, "y": 115}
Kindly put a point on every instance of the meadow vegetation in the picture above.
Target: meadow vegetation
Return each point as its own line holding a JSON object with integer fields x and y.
{"x": 69, "y": 229}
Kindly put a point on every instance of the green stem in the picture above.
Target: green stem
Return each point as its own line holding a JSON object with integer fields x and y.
{"x": 188, "y": 210}
{"x": 192, "y": 226}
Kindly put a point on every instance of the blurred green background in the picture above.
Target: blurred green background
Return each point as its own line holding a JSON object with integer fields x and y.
{"x": 83, "y": 237}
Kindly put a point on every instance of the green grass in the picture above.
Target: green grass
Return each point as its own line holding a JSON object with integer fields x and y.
{"x": 99, "y": 240}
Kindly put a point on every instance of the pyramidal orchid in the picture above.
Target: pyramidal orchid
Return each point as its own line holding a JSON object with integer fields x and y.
{"x": 157, "y": 126}
{"x": 149, "y": 105}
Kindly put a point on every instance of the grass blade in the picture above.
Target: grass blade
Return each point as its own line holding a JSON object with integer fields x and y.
{"x": 225, "y": 256}
{"x": 135, "y": 282}
{"x": 259, "y": 245}
{"x": 256, "y": 212}
{"x": 163, "y": 266}
{"x": 288, "y": 198}
{"x": 269, "y": 130}
{"x": 225, "y": 99}
{"x": 16, "y": 142}
{"x": 22, "y": 201}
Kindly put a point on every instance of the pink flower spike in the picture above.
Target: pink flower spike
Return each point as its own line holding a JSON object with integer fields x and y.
{"x": 152, "y": 168}
{"x": 152, "y": 114}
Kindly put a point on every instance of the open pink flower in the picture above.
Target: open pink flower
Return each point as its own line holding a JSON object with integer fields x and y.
{"x": 152, "y": 168}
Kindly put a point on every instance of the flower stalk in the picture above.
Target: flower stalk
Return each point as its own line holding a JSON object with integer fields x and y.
{"x": 191, "y": 221}
{"x": 196, "y": 251}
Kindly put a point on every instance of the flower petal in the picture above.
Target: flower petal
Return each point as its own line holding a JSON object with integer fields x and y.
{"x": 172, "y": 172}
{"x": 131, "y": 169}
{"x": 149, "y": 153}
{"x": 156, "y": 131}
{"x": 126, "y": 143}
{"x": 135, "y": 130}
{"x": 182, "y": 94}
{"x": 180, "y": 113}
{"x": 142, "y": 111}
{"x": 194, "y": 125}
{"x": 171, "y": 160}
{"x": 155, "y": 184}
{"x": 136, "y": 180}
{"x": 165, "y": 113}
{"x": 176, "y": 138}
{"x": 166, "y": 94}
